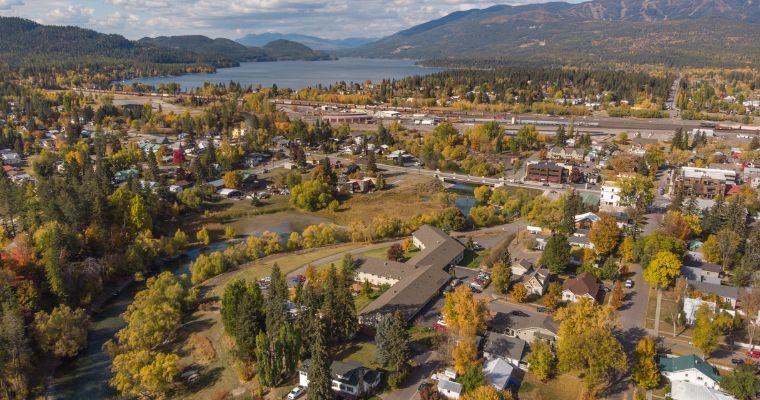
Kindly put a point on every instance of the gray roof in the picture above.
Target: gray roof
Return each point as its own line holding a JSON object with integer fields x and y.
{"x": 347, "y": 372}
{"x": 440, "y": 248}
{"x": 385, "y": 268}
{"x": 498, "y": 372}
{"x": 705, "y": 266}
{"x": 582, "y": 240}
{"x": 422, "y": 276}
{"x": 728, "y": 292}
{"x": 411, "y": 293}
{"x": 541, "y": 274}
{"x": 504, "y": 346}
{"x": 450, "y": 386}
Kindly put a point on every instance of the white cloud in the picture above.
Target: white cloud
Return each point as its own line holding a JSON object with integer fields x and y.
{"x": 235, "y": 18}
{"x": 6, "y": 5}
{"x": 69, "y": 14}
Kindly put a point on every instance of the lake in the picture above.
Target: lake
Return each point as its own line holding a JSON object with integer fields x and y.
{"x": 299, "y": 74}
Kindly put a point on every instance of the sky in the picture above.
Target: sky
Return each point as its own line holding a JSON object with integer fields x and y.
{"x": 235, "y": 18}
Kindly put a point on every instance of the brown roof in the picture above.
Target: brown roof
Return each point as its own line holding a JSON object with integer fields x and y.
{"x": 585, "y": 283}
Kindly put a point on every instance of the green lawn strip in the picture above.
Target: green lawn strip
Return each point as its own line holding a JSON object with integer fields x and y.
{"x": 288, "y": 262}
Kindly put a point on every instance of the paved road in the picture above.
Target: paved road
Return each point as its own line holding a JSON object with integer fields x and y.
{"x": 474, "y": 180}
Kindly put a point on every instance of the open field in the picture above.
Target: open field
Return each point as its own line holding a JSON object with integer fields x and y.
{"x": 409, "y": 196}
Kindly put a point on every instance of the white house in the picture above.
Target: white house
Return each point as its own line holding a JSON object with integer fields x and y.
{"x": 690, "y": 369}
{"x": 689, "y": 391}
{"x": 691, "y": 306}
{"x": 450, "y": 389}
{"x": 349, "y": 379}
{"x": 537, "y": 281}
{"x": 498, "y": 373}
{"x": 609, "y": 199}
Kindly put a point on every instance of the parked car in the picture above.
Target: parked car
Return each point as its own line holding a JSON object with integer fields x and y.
{"x": 520, "y": 313}
{"x": 297, "y": 392}
{"x": 484, "y": 276}
{"x": 754, "y": 353}
{"x": 542, "y": 309}
{"x": 298, "y": 279}
{"x": 737, "y": 361}
{"x": 629, "y": 283}
{"x": 440, "y": 325}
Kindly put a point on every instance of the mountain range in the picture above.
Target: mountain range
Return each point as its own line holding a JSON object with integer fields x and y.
{"x": 669, "y": 32}
{"x": 314, "y": 42}
{"x": 26, "y": 42}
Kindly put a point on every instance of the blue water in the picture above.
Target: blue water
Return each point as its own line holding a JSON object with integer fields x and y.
{"x": 299, "y": 74}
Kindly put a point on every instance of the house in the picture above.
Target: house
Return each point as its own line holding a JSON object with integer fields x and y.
{"x": 508, "y": 348}
{"x": 580, "y": 241}
{"x": 586, "y": 220}
{"x": 535, "y": 326}
{"x": 680, "y": 390}
{"x": 564, "y": 153}
{"x": 690, "y": 369}
{"x": 727, "y": 294}
{"x": 450, "y": 389}
{"x": 498, "y": 373}
{"x": 537, "y": 281}
{"x": 584, "y": 285}
{"x": 521, "y": 267}
{"x": 701, "y": 271}
{"x": 230, "y": 193}
{"x": 692, "y": 305}
{"x": 609, "y": 199}
{"x": 350, "y": 380}
{"x": 417, "y": 281}
{"x": 217, "y": 184}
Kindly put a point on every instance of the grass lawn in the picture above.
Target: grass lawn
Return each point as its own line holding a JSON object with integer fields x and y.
{"x": 362, "y": 352}
{"x": 409, "y": 196}
{"x": 473, "y": 259}
{"x": 562, "y": 387}
{"x": 288, "y": 262}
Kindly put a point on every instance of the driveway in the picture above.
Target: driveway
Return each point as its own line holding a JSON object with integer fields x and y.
{"x": 424, "y": 365}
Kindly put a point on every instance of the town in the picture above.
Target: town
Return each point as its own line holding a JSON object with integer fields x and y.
{"x": 476, "y": 207}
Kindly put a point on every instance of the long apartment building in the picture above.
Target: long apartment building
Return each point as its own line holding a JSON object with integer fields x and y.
{"x": 542, "y": 171}
{"x": 703, "y": 183}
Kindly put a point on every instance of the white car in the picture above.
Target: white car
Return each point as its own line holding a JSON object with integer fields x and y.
{"x": 297, "y": 392}
{"x": 629, "y": 284}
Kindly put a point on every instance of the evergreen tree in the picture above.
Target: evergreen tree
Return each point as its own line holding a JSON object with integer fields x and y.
{"x": 556, "y": 255}
{"x": 392, "y": 341}
{"x": 560, "y": 137}
{"x": 371, "y": 168}
{"x": 320, "y": 379}
{"x": 276, "y": 315}
{"x": 346, "y": 321}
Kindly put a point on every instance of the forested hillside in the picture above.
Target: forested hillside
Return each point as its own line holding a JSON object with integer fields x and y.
{"x": 713, "y": 33}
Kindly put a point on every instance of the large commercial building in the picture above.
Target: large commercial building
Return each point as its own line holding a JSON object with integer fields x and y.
{"x": 703, "y": 183}
{"x": 551, "y": 172}
{"x": 415, "y": 282}
{"x": 348, "y": 118}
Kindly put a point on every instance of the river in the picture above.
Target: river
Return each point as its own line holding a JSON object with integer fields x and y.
{"x": 299, "y": 74}
{"x": 87, "y": 375}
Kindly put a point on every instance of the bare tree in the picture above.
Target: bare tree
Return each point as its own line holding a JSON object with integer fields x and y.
{"x": 679, "y": 293}
{"x": 750, "y": 300}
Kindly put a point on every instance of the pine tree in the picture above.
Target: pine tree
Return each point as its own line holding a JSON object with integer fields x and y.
{"x": 346, "y": 320}
{"x": 393, "y": 344}
{"x": 560, "y": 137}
{"x": 320, "y": 380}
{"x": 277, "y": 296}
